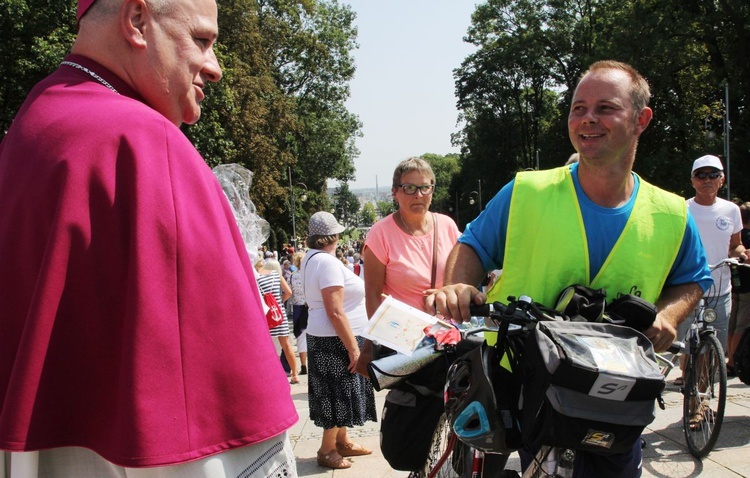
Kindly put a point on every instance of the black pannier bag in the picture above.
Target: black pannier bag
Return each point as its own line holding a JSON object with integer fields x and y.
{"x": 413, "y": 409}
{"x": 410, "y": 414}
{"x": 588, "y": 386}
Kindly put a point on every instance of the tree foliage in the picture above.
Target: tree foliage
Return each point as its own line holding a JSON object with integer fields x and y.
{"x": 280, "y": 106}
{"x": 368, "y": 215}
{"x": 446, "y": 168}
{"x": 346, "y": 205}
{"x": 514, "y": 91}
{"x": 385, "y": 208}
{"x": 34, "y": 36}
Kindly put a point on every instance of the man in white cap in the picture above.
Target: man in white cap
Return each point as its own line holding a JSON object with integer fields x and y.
{"x": 132, "y": 342}
{"x": 719, "y": 224}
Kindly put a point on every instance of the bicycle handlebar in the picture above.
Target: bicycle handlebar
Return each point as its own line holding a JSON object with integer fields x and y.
{"x": 729, "y": 261}
{"x": 521, "y": 311}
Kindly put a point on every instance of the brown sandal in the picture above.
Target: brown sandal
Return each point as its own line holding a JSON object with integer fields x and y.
{"x": 700, "y": 417}
{"x": 696, "y": 421}
{"x": 329, "y": 461}
{"x": 352, "y": 449}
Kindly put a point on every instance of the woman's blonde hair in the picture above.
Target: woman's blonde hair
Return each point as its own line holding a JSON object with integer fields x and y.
{"x": 297, "y": 258}
{"x": 272, "y": 265}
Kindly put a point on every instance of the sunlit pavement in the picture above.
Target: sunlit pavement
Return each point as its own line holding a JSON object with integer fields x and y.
{"x": 665, "y": 455}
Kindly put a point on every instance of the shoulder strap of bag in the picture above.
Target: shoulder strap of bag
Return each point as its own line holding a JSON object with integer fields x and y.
{"x": 434, "y": 250}
{"x": 304, "y": 282}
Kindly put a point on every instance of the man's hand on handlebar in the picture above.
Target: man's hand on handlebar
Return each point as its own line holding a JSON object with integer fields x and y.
{"x": 452, "y": 301}
{"x": 661, "y": 333}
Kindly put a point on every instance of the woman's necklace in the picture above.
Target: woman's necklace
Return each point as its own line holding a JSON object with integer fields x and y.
{"x": 403, "y": 223}
{"x": 93, "y": 74}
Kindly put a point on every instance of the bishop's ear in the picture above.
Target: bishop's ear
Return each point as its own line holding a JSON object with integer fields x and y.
{"x": 134, "y": 18}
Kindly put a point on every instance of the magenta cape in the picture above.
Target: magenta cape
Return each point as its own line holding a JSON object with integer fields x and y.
{"x": 131, "y": 324}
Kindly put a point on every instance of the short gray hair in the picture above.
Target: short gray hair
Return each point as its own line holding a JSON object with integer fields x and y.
{"x": 640, "y": 93}
{"x": 409, "y": 165}
{"x": 104, "y": 8}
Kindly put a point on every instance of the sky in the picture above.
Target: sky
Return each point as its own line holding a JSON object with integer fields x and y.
{"x": 403, "y": 90}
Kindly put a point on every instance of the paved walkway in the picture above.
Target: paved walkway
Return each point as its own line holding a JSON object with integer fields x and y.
{"x": 666, "y": 455}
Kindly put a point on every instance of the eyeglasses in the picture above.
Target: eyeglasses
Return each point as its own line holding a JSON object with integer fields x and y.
{"x": 411, "y": 189}
{"x": 715, "y": 175}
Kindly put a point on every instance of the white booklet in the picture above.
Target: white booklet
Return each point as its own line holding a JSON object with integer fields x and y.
{"x": 398, "y": 326}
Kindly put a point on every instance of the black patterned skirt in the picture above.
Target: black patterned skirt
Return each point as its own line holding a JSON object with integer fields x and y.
{"x": 337, "y": 397}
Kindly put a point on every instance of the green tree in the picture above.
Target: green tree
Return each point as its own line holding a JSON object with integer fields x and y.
{"x": 346, "y": 205}
{"x": 368, "y": 215}
{"x": 514, "y": 91}
{"x": 308, "y": 46}
{"x": 34, "y": 38}
{"x": 445, "y": 168}
{"x": 385, "y": 208}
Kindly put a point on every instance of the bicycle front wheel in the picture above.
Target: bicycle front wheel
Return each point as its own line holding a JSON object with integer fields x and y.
{"x": 448, "y": 457}
{"x": 705, "y": 396}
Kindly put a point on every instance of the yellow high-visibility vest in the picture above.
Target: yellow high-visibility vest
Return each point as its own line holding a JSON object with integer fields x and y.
{"x": 546, "y": 247}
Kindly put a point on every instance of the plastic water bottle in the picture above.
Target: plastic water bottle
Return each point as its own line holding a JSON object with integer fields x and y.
{"x": 477, "y": 322}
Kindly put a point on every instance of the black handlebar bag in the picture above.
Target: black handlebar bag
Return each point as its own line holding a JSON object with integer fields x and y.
{"x": 588, "y": 386}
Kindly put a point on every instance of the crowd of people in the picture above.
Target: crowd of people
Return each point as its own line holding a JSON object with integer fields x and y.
{"x": 135, "y": 334}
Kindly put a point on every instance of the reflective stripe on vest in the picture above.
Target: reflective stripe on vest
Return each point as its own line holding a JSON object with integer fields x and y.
{"x": 546, "y": 246}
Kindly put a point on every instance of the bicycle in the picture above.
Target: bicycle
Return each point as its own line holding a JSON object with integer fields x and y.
{"x": 451, "y": 458}
{"x": 704, "y": 386}
{"x": 448, "y": 456}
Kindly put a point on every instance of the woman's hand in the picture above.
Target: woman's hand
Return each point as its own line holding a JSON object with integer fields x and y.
{"x": 353, "y": 357}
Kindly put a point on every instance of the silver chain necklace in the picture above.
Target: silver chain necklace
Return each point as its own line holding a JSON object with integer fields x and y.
{"x": 403, "y": 223}
{"x": 401, "y": 219}
{"x": 93, "y": 75}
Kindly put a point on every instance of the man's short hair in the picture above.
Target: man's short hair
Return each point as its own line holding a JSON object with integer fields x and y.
{"x": 640, "y": 92}
{"x": 102, "y": 8}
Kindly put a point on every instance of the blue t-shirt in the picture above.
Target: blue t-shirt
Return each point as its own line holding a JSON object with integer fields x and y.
{"x": 486, "y": 235}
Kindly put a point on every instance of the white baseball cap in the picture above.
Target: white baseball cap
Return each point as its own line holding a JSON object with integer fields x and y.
{"x": 707, "y": 161}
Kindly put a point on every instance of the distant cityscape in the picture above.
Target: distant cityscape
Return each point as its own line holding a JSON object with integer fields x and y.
{"x": 366, "y": 195}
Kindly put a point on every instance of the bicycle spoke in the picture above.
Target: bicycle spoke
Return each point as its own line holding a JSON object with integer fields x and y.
{"x": 447, "y": 457}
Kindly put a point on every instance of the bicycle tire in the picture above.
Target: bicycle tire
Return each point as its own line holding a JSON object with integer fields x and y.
{"x": 448, "y": 457}
{"x": 704, "y": 396}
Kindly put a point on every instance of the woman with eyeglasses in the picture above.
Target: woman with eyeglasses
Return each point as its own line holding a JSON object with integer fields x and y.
{"x": 406, "y": 251}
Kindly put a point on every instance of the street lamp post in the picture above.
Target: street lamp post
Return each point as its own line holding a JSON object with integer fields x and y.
{"x": 473, "y": 198}
{"x": 727, "y": 128}
{"x": 481, "y": 205}
{"x": 294, "y": 205}
{"x": 456, "y": 205}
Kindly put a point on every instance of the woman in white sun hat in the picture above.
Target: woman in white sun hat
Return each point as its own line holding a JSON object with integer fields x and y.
{"x": 339, "y": 398}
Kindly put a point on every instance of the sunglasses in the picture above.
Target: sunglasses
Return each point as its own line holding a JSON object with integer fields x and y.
{"x": 707, "y": 175}
{"x": 411, "y": 189}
